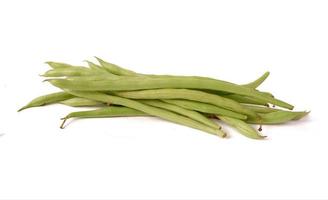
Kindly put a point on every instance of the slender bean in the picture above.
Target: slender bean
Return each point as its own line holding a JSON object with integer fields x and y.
{"x": 95, "y": 67}
{"x": 182, "y": 111}
{"x": 140, "y": 83}
{"x": 115, "y": 69}
{"x": 262, "y": 109}
{"x": 164, "y": 114}
{"x": 113, "y": 111}
{"x": 58, "y": 65}
{"x": 258, "y": 81}
{"x": 254, "y": 84}
{"x": 70, "y": 72}
{"x": 47, "y": 99}
{"x": 194, "y": 95}
{"x": 239, "y": 98}
{"x": 246, "y": 99}
{"x": 277, "y": 117}
{"x": 205, "y": 108}
{"x": 80, "y": 102}
{"x": 157, "y": 103}
{"x": 242, "y": 127}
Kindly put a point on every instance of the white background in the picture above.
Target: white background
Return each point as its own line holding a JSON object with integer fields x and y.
{"x": 146, "y": 158}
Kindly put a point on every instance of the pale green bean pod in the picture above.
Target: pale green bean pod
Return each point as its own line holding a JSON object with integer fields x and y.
{"x": 193, "y": 95}
{"x": 182, "y": 111}
{"x": 205, "y": 108}
{"x": 242, "y": 127}
{"x": 162, "y": 113}
{"x": 47, "y": 99}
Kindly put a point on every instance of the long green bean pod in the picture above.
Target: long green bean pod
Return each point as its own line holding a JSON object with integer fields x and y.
{"x": 142, "y": 83}
{"x": 80, "y": 102}
{"x": 242, "y": 127}
{"x": 58, "y": 65}
{"x": 187, "y": 100}
{"x": 162, "y": 113}
{"x": 182, "y": 111}
{"x": 245, "y": 99}
{"x": 262, "y": 109}
{"x": 115, "y": 69}
{"x": 277, "y": 117}
{"x": 112, "y": 111}
{"x": 205, "y": 108}
{"x": 194, "y": 95}
{"x": 47, "y": 99}
{"x": 258, "y": 82}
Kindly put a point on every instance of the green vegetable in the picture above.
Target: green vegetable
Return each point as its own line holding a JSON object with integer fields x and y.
{"x": 185, "y": 100}
{"x": 193, "y": 95}
{"x": 182, "y": 111}
{"x": 242, "y": 126}
{"x": 162, "y": 113}
{"x": 47, "y": 99}
{"x": 143, "y": 83}
{"x": 79, "y": 102}
{"x": 113, "y": 111}
{"x": 205, "y": 108}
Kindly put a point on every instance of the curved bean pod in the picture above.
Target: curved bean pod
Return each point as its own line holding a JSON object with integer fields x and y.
{"x": 258, "y": 82}
{"x": 262, "y": 109}
{"x": 96, "y": 67}
{"x": 182, "y": 111}
{"x": 113, "y": 111}
{"x": 205, "y": 108}
{"x": 141, "y": 83}
{"x": 112, "y": 68}
{"x": 277, "y": 117}
{"x": 47, "y": 99}
{"x": 194, "y": 95}
{"x": 246, "y": 99}
{"x": 254, "y": 84}
{"x": 242, "y": 127}
{"x": 115, "y": 69}
{"x": 70, "y": 72}
{"x": 58, "y": 65}
{"x": 80, "y": 102}
{"x": 164, "y": 114}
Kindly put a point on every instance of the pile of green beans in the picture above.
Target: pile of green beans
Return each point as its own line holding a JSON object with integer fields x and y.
{"x": 193, "y": 101}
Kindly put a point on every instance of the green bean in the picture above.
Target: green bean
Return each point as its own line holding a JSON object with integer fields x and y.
{"x": 113, "y": 111}
{"x": 115, "y": 69}
{"x": 182, "y": 111}
{"x": 160, "y": 104}
{"x": 254, "y": 84}
{"x": 205, "y": 108}
{"x": 194, "y": 95}
{"x": 162, "y": 113}
{"x": 70, "y": 72}
{"x": 246, "y": 99}
{"x": 262, "y": 109}
{"x": 105, "y": 73}
{"x": 192, "y": 104}
{"x": 140, "y": 83}
{"x": 58, "y": 65}
{"x": 95, "y": 67}
{"x": 242, "y": 126}
{"x": 47, "y": 99}
{"x": 277, "y": 117}
{"x": 80, "y": 102}
{"x": 239, "y": 98}
{"x": 258, "y": 81}
{"x": 63, "y": 69}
